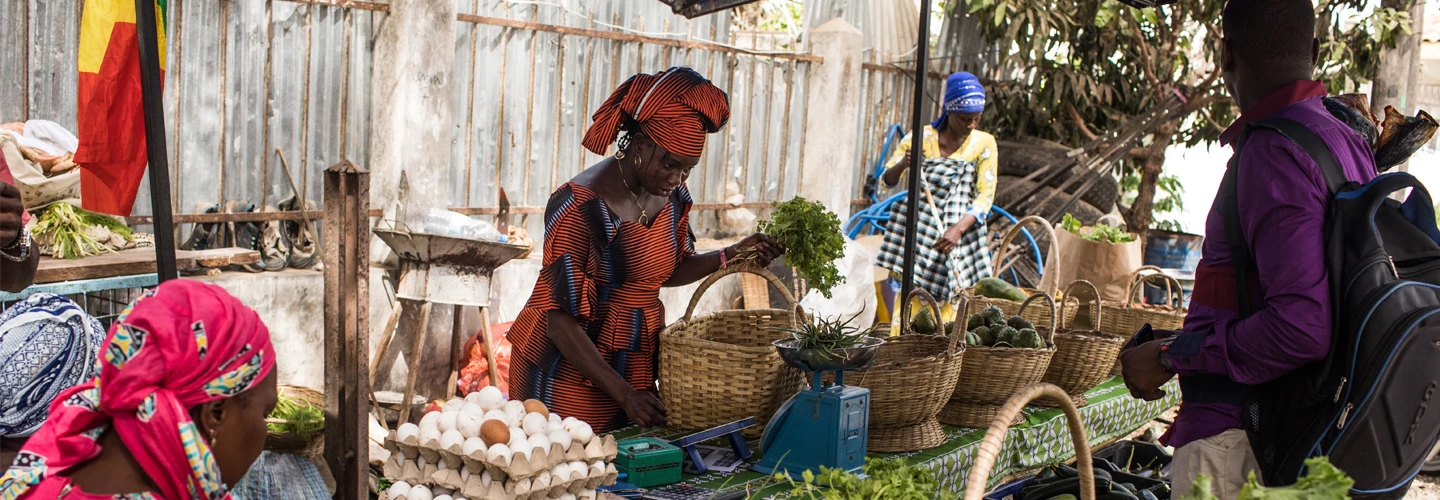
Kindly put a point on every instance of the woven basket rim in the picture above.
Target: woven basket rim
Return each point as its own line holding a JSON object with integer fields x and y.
{"x": 1091, "y": 335}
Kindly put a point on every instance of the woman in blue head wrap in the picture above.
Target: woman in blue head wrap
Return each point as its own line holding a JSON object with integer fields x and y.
{"x": 957, "y": 189}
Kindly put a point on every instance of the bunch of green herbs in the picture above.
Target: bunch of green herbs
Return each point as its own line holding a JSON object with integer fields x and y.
{"x": 1322, "y": 481}
{"x": 882, "y": 480}
{"x": 828, "y": 335}
{"x": 1100, "y": 232}
{"x": 65, "y": 227}
{"x": 297, "y": 418}
{"x": 812, "y": 240}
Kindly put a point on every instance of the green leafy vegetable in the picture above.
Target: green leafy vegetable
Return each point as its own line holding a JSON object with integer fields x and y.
{"x": 827, "y": 334}
{"x": 812, "y": 240}
{"x": 297, "y": 418}
{"x": 1100, "y": 232}
{"x": 65, "y": 227}
{"x": 1322, "y": 481}
{"x": 883, "y": 480}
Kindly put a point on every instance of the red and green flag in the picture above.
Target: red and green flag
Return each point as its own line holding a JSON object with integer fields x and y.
{"x": 111, "y": 119}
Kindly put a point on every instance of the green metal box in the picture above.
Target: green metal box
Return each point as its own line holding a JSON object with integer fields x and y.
{"x": 649, "y": 462}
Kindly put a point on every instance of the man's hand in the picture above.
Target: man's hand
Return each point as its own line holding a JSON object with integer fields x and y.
{"x": 1143, "y": 374}
{"x": 951, "y": 238}
{"x": 11, "y": 218}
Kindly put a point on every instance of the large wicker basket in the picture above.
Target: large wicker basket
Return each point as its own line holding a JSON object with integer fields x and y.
{"x": 910, "y": 382}
{"x": 992, "y": 374}
{"x": 990, "y": 445}
{"x": 1125, "y": 318}
{"x": 1001, "y": 252}
{"x": 1084, "y": 355}
{"x": 718, "y": 368}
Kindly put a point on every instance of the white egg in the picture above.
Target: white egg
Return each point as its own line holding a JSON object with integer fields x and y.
{"x": 561, "y": 471}
{"x": 420, "y": 462}
{"x": 408, "y": 433}
{"x": 442, "y": 491}
{"x": 453, "y": 405}
{"x": 420, "y": 492}
{"x": 443, "y": 497}
{"x": 566, "y": 496}
{"x": 465, "y": 473}
{"x": 518, "y": 442}
{"x": 555, "y": 417}
{"x": 540, "y": 443}
{"x": 430, "y": 421}
{"x": 498, "y": 454}
{"x": 430, "y": 438}
{"x": 473, "y": 397}
{"x": 559, "y": 436}
{"x": 399, "y": 489}
{"x": 468, "y": 424}
{"x": 497, "y": 415}
{"x": 542, "y": 480}
{"x": 473, "y": 407}
{"x": 569, "y": 422}
{"x": 472, "y": 445}
{"x": 577, "y": 465}
{"x": 554, "y": 426}
{"x": 485, "y": 477}
{"x": 490, "y": 398}
{"x": 534, "y": 423}
{"x": 597, "y": 467}
{"x": 451, "y": 440}
{"x": 447, "y": 421}
{"x": 581, "y": 433}
{"x": 457, "y": 497}
{"x": 516, "y": 411}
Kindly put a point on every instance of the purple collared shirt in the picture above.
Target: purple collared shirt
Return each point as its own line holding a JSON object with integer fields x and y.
{"x": 1282, "y": 204}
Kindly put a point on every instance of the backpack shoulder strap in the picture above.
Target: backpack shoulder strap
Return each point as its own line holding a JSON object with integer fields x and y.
{"x": 1312, "y": 144}
{"x": 1229, "y": 208}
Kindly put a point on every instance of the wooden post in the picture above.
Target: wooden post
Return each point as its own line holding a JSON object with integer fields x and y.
{"x": 347, "y": 329}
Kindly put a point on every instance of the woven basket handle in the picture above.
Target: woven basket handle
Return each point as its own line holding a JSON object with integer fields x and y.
{"x": 995, "y": 436}
{"x": 758, "y": 271}
{"x": 1049, "y": 337}
{"x": 957, "y": 332}
{"x": 926, "y": 298}
{"x": 999, "y": 253}
{"x": 1174, "y": 293}
{"x": 1094, "y": 310}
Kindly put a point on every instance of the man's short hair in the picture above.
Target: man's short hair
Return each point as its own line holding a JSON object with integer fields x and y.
{"x": 1274, "y": 34}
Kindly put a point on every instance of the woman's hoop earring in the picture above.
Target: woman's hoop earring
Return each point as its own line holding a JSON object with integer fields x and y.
{"x": 619, "y": 154}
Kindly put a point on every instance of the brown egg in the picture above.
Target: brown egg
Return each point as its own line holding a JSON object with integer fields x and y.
{"x": 535, "y": 406}
{"x": 494, "y": 432}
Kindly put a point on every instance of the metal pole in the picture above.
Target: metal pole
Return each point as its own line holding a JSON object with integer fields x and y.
{"x": 917, "y": 148}
{"x": 151, "y": 85}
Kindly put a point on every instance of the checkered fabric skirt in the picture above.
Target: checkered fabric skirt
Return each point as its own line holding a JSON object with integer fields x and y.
{"x": 952, "y": 182}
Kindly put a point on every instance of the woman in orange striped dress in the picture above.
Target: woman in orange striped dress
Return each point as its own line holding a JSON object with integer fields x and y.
{"x": 588, "y": 340}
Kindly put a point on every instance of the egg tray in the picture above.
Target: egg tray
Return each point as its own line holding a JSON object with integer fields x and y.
{"x": 540, "y": 486}
{"x": 582, "y": 495}
{"x": 599, "y": 448}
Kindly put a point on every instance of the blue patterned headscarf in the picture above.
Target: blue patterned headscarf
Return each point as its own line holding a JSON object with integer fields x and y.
{"x": 47, "y": 344}
{"x": 963, "y": 94}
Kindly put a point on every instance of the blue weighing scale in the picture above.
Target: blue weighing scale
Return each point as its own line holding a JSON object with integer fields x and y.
{"x": 822, "y": 425}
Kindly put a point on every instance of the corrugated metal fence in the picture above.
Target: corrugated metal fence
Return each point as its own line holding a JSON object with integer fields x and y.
{"x": 248, "y": 77}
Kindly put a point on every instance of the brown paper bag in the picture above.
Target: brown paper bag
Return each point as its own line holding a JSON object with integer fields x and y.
{"x": 1107, "y": 265}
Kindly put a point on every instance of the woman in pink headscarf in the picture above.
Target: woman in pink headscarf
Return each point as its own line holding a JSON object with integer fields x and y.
{"x": 178, "y": 411}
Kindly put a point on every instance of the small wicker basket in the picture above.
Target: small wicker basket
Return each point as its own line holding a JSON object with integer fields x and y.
{"x": 721, "y": 367}
{"x": 1125, "y": 318}
{"x": 979, "y": 478}
{"x": 909, "y": 383}
{"x": 285, "y": 442}
{"x": 1001, "y": 252}
{"x": 1084, "y": 356}
{"x": 995, "y": 373}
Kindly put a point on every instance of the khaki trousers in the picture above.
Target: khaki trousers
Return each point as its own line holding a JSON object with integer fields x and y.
{"x": 1225, "y": 458}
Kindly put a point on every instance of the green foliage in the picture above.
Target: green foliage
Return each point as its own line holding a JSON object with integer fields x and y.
{"x": 64, "y": 226}
{"x": 812, "y": 240}
{"x": 1322, "y": 481}
{"x": 301, "y": 419}
{"x": 882, "y": 480}
{"x": 1099, "y": 232}
{"x": 828, "y": 334}
{"x": 1351, "y": 40}
{"x": 1171, "y": 198}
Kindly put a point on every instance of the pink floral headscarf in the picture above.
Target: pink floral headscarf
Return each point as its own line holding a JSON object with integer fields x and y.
{"x": 183, "y": 344}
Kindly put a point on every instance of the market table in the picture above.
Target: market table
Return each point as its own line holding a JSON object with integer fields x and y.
{"x": 1042, "y": 439}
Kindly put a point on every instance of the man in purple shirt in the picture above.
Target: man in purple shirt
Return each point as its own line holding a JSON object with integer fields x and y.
{"x": 1268, "y": 62}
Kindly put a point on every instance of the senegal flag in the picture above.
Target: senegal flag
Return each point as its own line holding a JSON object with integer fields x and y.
{"x": 111, "y": 119}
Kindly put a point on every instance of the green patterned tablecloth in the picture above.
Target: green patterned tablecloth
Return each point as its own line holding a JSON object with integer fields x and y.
{"x": 1042, "y": 439}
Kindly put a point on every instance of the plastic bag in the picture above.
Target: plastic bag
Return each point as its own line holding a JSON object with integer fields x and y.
{"x": 446, "y": 223}
{"x": 475, "y": 375}
{"x": 855, "y": 295}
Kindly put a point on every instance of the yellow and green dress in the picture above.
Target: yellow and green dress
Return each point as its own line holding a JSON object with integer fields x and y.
{"x": 953, "y": 186}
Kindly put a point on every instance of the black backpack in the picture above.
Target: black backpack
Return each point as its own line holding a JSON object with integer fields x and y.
{"x": 1366, "y": 404}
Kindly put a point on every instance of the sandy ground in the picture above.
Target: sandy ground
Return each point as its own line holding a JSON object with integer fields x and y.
{"x": 1426, "y": 487}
